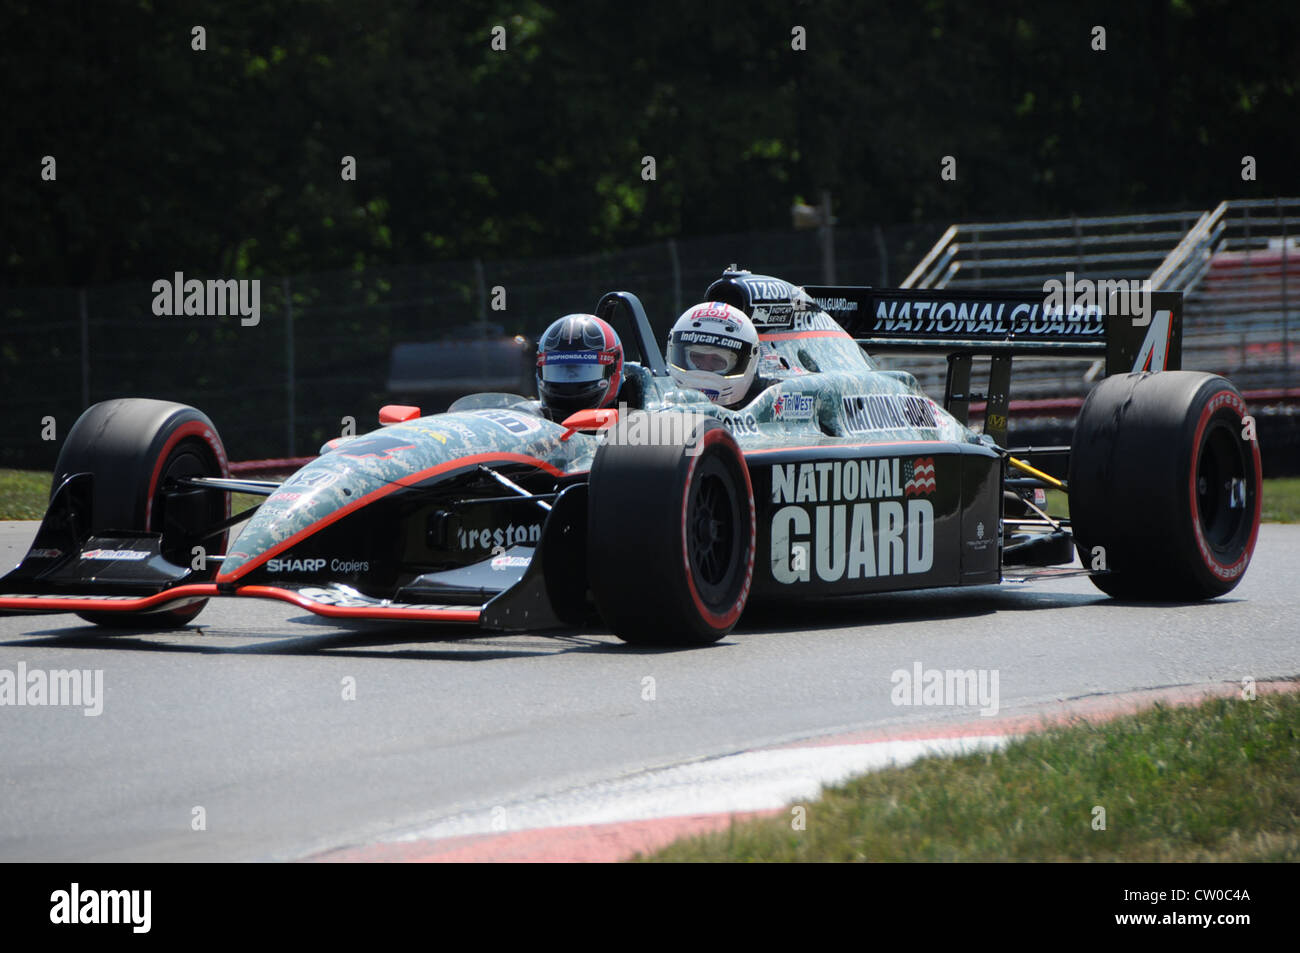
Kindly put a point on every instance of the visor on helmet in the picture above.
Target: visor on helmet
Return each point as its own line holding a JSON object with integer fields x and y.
{"x": 694, "y": 350}
{"x": 574, "y": 367}
{"x": 702, "y": 357}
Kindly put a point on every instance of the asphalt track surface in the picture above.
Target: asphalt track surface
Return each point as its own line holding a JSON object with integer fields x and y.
{"x": 242, "y": 714}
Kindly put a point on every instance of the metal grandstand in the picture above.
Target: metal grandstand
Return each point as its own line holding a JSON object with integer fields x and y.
{"x": 1238, "y": 265}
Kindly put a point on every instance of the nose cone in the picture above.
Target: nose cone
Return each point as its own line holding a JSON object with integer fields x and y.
{"x": 320, "y": 493}
{"x": 360, "y": 470}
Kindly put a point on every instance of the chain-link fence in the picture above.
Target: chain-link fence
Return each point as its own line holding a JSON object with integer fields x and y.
{"x": 322, "y": 346}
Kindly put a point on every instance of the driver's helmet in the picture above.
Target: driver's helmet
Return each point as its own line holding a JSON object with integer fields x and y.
{"x": 713, "y": 347}
{"x": 579, "y": 365}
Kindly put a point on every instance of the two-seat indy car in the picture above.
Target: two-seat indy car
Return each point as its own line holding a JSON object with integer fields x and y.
{"x": 662, "y": 509}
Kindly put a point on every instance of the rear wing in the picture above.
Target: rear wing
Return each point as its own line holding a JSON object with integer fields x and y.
{"x": 1128, "y": 332}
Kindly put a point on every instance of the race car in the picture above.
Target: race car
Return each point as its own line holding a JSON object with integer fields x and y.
{"x": 665, "y": 514}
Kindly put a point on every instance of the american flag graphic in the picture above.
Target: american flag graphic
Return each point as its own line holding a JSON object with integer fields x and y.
{"x": 918, "y": 476}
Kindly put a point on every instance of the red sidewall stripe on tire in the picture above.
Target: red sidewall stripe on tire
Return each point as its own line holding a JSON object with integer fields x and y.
{"x": 728, "y": 618}
{"x": 1223, "y": 398}
{"x": 190, "y": 428}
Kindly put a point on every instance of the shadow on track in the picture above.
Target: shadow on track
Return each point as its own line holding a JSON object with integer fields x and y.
{"x": 470, "y": 647}
{"x": 922, "y": 605}
{"x": 362, "y": 639}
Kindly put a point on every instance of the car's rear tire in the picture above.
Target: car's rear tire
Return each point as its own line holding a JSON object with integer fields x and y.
{"x": 1165, "y": 482}
{"x": 671, "y": 534}
{"x": 132, "y": 446}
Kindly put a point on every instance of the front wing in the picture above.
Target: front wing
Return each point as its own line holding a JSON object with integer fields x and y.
{"x": 334, "y": 602}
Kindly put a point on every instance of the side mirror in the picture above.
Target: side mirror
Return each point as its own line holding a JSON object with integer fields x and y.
{"x": 598, "y": 419}
{"x": 397, "y": 413}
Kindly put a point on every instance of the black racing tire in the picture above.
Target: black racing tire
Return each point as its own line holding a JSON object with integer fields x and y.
{"x": 671, "y": 534}
{"x": 1164, "y": 480}
{"x": 132, "y": 445}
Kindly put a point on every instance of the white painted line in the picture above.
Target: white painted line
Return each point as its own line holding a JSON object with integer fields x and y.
{"x": 750, "y": 781}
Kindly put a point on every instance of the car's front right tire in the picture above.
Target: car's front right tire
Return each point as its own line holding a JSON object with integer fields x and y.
{"x": 671, "y": 533}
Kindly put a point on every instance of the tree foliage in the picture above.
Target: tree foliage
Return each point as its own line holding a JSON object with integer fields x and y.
{"x": 227, "y": 160}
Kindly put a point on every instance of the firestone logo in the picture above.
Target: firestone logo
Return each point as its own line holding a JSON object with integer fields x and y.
{"x": 500, "y": 536}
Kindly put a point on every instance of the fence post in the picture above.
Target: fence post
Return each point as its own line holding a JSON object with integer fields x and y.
{"x": 481, "y": 286}
{"x": 883, "y": 251}
{"x": 289, "y": 364}
{"x": 828, "y": 239}
{"x": 1078, "y": 246}
{"x": 85, "y": 348}
{"x": 677, "y": 276}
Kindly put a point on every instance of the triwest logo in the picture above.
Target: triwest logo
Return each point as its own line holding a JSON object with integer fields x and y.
{"x": 793, "y": 407}
{"x": 211, "y": 298}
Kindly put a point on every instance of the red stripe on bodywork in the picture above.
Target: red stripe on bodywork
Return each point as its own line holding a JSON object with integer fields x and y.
{"x": 844, "y": 446}
{"x": 409, "y": 480}
{"x": 799, "y": 335}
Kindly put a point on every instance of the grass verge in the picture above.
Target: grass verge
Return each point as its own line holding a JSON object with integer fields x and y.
{"x": 25, "y": 493}
{"x": 1218, "y": 781}
{"x": 1281, "y": 503}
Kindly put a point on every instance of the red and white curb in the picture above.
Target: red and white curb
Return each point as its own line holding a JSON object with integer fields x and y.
{"x": 616, "y": 819}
